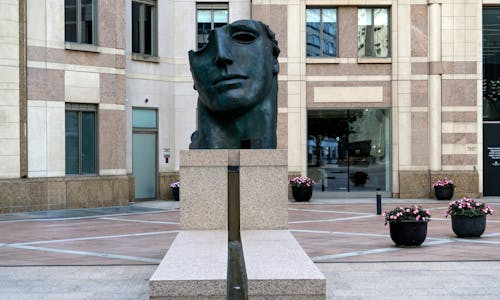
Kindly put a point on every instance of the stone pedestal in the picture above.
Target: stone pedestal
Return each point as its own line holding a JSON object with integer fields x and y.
{"x": 195, "y": 266}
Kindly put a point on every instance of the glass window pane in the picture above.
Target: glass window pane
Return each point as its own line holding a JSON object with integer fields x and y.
{"x": 88, "y": 142}
{"x": 220, "y": 16}
{"x": 144, "y": 118}
{"x": 364, "y": 16}
{"x": 136, "y": 27}
{"x": 313, "y": 15}
{"x": 313, "y": 42}
{"x": 148, "y": 32}
{"x": 348, "y": 150}
{"x": 381, "y": 16}
{"x": 204, "y": 16}
{"x": 72, "y": 142}
{"x": 329, "y": 32}
{"x": 491, "y": 64}
{"x": 70, "y": 21}
{"x": 329, "y": 15}
{"x": 87, "y": 19}
{"x": 381, "y": 41}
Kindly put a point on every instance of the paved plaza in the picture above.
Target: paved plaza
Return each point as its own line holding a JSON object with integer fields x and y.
{"x": 110, "y": 253}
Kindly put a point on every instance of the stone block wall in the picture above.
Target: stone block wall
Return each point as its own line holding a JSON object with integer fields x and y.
{"x": 40, "y": 194}
{"x": 166, "y": 178}
{"x": 418, "y": 184}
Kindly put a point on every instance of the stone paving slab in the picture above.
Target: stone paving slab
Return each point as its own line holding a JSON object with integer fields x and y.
{"x": 113, "y": 256}
{"x": 328, "y": 232}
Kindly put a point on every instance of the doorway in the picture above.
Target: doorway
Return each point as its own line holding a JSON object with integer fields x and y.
{"x": 144, "y": 152}
{"x": 348, "y": 150}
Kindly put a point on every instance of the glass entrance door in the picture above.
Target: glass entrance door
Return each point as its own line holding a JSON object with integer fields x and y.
{"x": 348, "y": 150}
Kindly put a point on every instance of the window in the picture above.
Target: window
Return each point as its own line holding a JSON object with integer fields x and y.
{"x": 144, "y": 27}
{"x": 80, "y": 21}
{"x": 321, "y": 31}
{"x": 208, "y": 17}
{"x": 373, "y": 32}
{"x": 81, "y": 141}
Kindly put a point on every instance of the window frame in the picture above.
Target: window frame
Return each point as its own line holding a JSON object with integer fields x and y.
{"x": 142, "y": 28}
{"x": 389, "y": 25}
{"x": 79, "y": 108}
{"x": 95, "y": 14}
{"x": 212, "y": 7}
{"x": 321, "y": 42}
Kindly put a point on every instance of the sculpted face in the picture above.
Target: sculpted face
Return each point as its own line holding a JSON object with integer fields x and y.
{"x": 234, "y": 71}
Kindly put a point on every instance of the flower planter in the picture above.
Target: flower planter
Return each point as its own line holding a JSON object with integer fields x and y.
{"x": 443, "y": 193}
{"x": 359, "y": 178}
{"x": 175, "y": 193}
{"x": 464, "y": 226}
{"x": 302, "y": 193}
{"x": 408, "y": 233}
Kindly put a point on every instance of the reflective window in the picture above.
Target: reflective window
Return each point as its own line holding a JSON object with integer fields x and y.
{"x": 81, "y": 133}
{"x": 209, "y": 17}
{"x": 491, "y": 64}
{"x": 321, "y": 32}
{"x": 349, "y": 150}
{"x": 80, "y": 20}
{"x": 144, "y": 27}
{"x": 373, "y": 32}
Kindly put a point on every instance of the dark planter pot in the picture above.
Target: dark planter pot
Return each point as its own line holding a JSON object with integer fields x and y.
{"x": 464, "y": 226}
{"x": 302, "y": 193}
{"x": 408, "y": 233}
{"x": 443, "y": 193}
{"x": 175, "y": 193}
{"x": 359, "y": 178}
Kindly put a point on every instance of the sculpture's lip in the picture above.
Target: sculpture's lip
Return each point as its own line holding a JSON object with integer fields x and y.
{"x": 227, "y": 79}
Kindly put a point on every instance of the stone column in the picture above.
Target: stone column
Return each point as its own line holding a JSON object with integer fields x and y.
{"x": 435, "y": 72}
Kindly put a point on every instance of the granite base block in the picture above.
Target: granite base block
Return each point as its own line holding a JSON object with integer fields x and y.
{"x": 278, "y": 268}
{"x": 195, "y": 267}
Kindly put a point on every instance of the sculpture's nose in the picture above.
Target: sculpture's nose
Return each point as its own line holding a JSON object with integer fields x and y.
{"x": 223, "y": 52}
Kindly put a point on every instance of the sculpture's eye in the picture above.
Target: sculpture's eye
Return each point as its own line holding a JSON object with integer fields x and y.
{"x": 244, "y": 37}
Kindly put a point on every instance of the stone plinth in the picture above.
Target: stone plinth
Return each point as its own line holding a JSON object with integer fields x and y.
{"x": 195, "y": 266}
{"x": 263, "y": 188}
{"x": 277, "y": 267}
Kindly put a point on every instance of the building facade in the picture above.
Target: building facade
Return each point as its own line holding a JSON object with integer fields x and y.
{"x": 97, "y": 97}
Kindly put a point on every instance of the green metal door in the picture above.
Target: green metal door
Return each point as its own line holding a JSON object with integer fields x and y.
{"x": 144, "y": 153}
{"x": 144, "y": 165}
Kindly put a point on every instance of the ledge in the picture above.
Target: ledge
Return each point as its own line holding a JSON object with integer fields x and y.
{"x": 81, "y": 47}
{"x": 145, "y": 58}
{"x": 322, "y": 60}
{"x": 374, "y": 60}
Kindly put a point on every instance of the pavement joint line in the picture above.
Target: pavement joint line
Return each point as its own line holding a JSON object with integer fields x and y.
{"x": 354, "y": 233}
{"x": 338, "y": 232}
{"x": 330, "y": 211}
{"x": 139, "y": 221}
{"x": 93, "y": 238}
{"x": 88, "y": 253}
{"x": 491, "y": 234}
{"x": 476, "y": 241}
{"x": 333, "y": 220}
{"x": 45, "y": 219}
{"x": 371, "y": 251}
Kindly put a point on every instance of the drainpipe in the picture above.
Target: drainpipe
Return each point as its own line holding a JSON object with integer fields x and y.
{"x": 23, "y": 90}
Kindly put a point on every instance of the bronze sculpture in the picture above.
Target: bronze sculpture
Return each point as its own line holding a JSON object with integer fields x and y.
{"x": 236, "y": 76}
